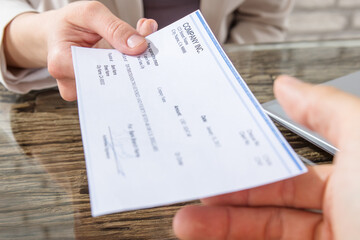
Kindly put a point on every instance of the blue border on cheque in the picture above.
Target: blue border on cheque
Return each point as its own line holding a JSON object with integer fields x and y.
{"x": 247, "y": 91}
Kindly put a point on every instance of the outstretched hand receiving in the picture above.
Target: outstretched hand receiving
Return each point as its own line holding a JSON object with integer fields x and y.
{"x": 281, "y": 210}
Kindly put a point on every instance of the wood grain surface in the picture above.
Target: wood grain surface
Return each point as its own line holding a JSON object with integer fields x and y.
{"x": 43, "y": 183}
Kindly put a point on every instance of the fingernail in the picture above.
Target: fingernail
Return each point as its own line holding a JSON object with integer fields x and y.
{"x": 287, "y": 80}
{"x": 154, "y": 26}
{"x": 285, "y": 83}
{"x": 287, "y": 87}
{"x": 140, "y": 23}
{"x": 135, "y": 40}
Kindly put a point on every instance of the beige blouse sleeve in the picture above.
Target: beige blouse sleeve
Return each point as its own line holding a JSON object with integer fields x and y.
{"x": 258, "y": 21}
{"x": 14, "y": 79}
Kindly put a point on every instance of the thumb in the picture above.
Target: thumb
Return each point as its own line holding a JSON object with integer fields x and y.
{"x": 96, "y": 17}
{"x": 332, "y": 113}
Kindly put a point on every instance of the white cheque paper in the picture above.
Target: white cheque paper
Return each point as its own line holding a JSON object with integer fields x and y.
{"x": 176, "y": 123}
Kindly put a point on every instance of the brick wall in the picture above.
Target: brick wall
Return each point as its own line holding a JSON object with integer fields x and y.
{"x": 324, "y": 19}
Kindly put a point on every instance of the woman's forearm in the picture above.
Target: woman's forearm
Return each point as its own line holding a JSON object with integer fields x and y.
{"x": 25, "y": 41}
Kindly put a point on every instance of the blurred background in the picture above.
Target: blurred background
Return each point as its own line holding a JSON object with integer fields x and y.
{"x": 324, "y": 20}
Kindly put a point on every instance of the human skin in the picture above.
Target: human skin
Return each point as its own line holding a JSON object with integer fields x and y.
{"x": 37, "y": 40}
{"x": 281, "y": 210}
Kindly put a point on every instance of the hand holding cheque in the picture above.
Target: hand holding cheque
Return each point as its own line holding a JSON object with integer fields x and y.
{"x": 173, "y": 124}
{"x": 276, "y": 211}
{"x": 83, "y": 23}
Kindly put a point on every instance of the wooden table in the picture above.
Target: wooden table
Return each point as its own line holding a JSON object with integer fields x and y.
{"x": 43, "y": 183}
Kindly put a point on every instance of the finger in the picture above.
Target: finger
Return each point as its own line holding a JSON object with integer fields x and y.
{"x": 214, "y": 222}
{"x": 139, "y": 23}
{"x": 146, "y": 26}
{"x": 326, "y": 110}
{"x": 304, "y": 191}
{"x": 67, "y": 89}
{"x": 59, "y": 61}
{"x": 61, "y": 68}
{"x": 96, "y": 17}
